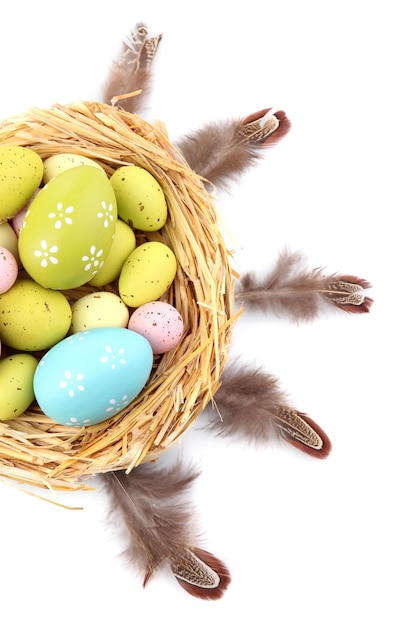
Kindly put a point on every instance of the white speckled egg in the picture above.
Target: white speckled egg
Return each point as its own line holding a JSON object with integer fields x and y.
{"x": 98, "y": 309}
{"x": 91, "y": 376}
{"x": 160, "y": 323}
{"x": 68, "y": 228}
{"x": 58, "y": 163}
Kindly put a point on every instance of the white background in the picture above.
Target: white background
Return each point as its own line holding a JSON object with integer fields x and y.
{"x": 308, "y": 542}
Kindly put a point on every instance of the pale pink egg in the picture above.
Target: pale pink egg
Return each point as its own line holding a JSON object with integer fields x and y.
{"x": 160, "y": 323}
{"x": 8, "y": 270}
{"x": 18, "y": 219}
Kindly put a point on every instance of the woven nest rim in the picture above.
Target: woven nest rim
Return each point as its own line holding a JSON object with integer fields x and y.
{"x": 34, "y": 449}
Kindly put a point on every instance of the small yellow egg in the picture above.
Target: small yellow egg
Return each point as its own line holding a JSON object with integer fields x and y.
{"x": 140, "y": 199}
{"x": 97, "y": 310}
{"x": 123, "y": 244}
{"x": 32, "y": 317}
{"x": 147, "y": 273}
{"x": 16, "y": 384}
{"x": 21, "y": 171}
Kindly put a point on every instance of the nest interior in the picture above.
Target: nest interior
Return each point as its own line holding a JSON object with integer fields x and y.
{"x": 34, "y": 449}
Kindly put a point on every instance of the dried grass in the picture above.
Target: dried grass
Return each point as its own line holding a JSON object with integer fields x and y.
{"x": 37, "y": 451}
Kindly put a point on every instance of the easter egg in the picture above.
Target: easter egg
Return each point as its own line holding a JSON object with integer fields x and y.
{"x": 91, "y": 376}
{"x": 8, "y": 269}
{"x": 147, "y": 273}
{"x": 21, "y": 171}
{"x": 140, "y": 199}
{"x": 160, "y": 323}
{"x": 98, "y": 309}
{"x": 68, "y": 228}
{"x": 8, "y": 239}
{"x": 32, "y": 317}
{"x": 16, "y": 384}
{"x": 57, "y": 163}
{"x": 124, "y": 242}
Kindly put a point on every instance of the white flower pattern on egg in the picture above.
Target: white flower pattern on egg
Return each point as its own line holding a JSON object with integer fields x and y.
{"x": 61, "y": 215}
{"x": 110, "y": 357}
{"x": 115, "y": 406}
{"x": 93, "y": 259}
{"x": 74, "y": 421}
{"x": 106, "y": 213}
{"x": 46, "y": 254}
{"x": 71, "y": 382}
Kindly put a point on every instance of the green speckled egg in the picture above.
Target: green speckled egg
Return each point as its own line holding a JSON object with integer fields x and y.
{"x": 140, "y": 199}
{"x": 124, "y": 243}
{"x": 68, "y": 229}
{"x": 147, "y": 273}
{"x": 32, "y": 317}
{"x": 21, "y": 171}
{"x": 16, "y": 383}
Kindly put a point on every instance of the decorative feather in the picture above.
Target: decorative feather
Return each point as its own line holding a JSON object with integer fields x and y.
{"x": 160, "y": 528}
{"x": 129, "y": 78}
{"x": 223, "y": 150}
{"x": 251, "y": 405}
{"x": 294, "y": 290}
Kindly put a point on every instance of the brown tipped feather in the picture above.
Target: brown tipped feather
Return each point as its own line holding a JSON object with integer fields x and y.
{"x": 251, "y": 405}
{"x": 201, "y": 574}
{"x": 223, "y": 150}
{"x": 129, "y": 79}
{"x": 150, "y": 502}
{"x": 294, "y": 290}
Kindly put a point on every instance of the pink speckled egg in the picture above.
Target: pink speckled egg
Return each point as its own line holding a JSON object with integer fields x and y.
{"x": 160, "y": 323}
{"x": 8, "y": 269}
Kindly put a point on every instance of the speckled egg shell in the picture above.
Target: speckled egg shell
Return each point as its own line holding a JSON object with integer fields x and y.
{"x": 21, "y": 171}
{"x": 160, "y": 323}
{"x": 140, "y": 199}
{"x": 8, "y": 239}
{"x": 97, "y": 310}
{"x": 69, "y": 228}
{"x": 16, "y": 384}
{"x": 32, "y": 317}
{"x": 123, "y": 244}
{"x": 91, "y": 376}
{"x": 58, "y": 163}
{"x": 147, "y": 273}
{"x": 8, "y": 270}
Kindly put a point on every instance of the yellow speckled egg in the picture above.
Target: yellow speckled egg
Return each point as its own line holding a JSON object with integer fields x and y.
{"x": 140, "y": 199}
{"x": 21, "y": 171}
{"x": 123, "y": 244}
{"x": 147, "y": 273}
{"x": 57, "y": 163}
{"x": 16, "y": 384}
{"x": 32, "y": 317}
{"x": 8, "y": 239}
{"x": 98, "y": 310}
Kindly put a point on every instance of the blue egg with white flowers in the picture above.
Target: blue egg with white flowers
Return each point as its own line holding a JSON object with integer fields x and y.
{"x": 92, "y": 375}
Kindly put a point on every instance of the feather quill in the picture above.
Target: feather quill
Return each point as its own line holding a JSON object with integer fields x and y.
{"x": 129, "y": 78}
{"x": 251, "y": 405}
{"x": 294, "y": 290}
{"x": 220, "y": 151}
{"x": 160, "y": 528}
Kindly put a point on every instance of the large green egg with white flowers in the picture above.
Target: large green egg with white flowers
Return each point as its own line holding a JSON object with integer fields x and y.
{"x": 68, "y": 229}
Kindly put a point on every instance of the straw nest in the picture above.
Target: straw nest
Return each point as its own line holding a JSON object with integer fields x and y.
{"x": 37, "y": 451}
